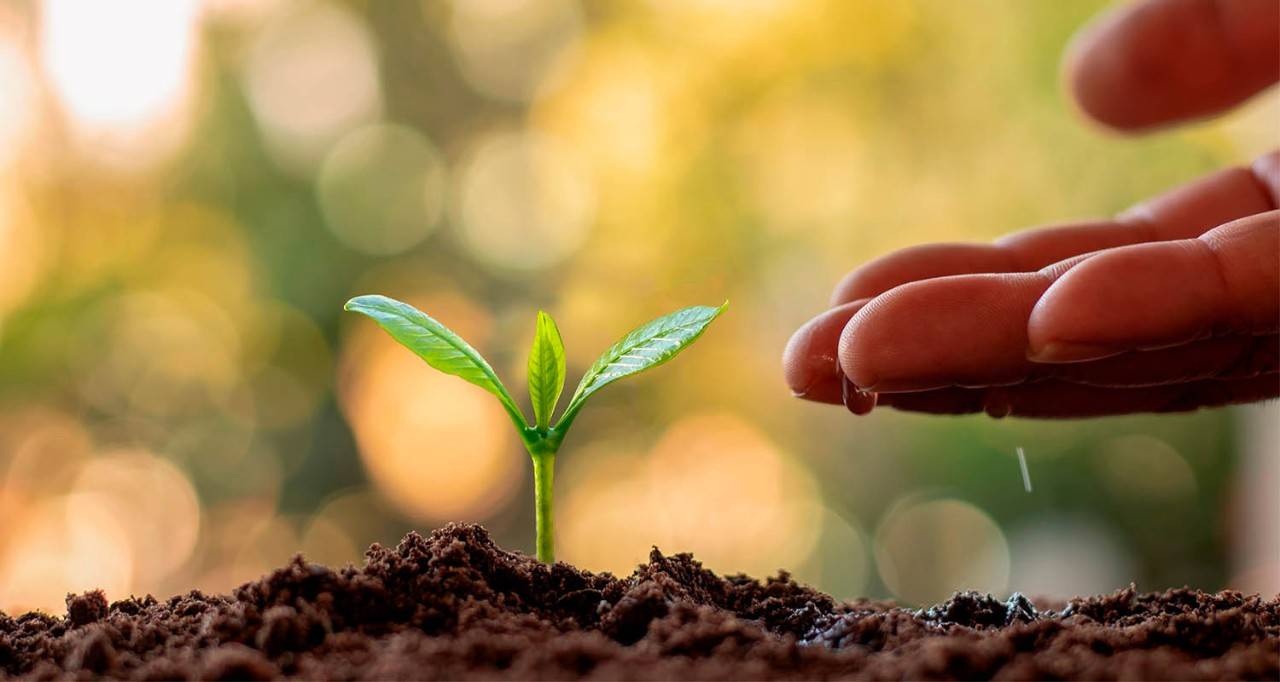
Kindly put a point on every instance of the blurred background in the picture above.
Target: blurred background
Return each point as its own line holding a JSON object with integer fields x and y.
{"x": 189, "y": 191}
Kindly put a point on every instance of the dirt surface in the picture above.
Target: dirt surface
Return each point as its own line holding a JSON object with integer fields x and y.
{"x": 455, "y": 606}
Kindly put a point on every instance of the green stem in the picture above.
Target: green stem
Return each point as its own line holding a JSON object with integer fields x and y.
{"x": 544, "y": 466}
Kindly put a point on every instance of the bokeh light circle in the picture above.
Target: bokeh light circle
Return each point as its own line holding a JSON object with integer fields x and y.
{"x": 63, "y": 545}
{"x": 712, "y": 485}
{"x": 926, "y": 550}
{"x": 507, "y": 48}
{"x": 840, "y": 563}
{"x": 160, "y": 353}
{"x": 524, "y": 201}
{"x": 382, "y": 189}
{"x": 1062, "y": 556}
{"x": 311, "y": 75}
{"x": 161, "y": 525}
{"x": 1146, "y": 467}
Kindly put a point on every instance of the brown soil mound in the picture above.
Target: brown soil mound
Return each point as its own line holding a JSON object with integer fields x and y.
{"x": 455, "y": 606}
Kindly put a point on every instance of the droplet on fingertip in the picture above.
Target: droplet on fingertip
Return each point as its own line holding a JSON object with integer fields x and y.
{"x": 856, "y": 400}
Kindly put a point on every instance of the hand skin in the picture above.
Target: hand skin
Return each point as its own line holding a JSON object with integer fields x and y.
{"x": 1174, "y": 305}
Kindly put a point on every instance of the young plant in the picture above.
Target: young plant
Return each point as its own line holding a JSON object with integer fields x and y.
{"x": 649, "y": 345}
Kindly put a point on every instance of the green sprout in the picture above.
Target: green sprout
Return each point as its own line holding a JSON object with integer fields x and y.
{"x": 649, "y": 345}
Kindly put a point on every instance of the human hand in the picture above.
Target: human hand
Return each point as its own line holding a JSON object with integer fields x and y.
{"x": 1174, "y": 305}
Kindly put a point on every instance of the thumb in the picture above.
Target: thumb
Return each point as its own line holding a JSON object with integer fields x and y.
{"x": 1160, "y": 294}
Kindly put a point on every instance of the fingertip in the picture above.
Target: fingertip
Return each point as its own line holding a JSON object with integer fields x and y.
{"x": 1154, "y": 62}
{"x": 1091, "y": 71}
{"x": 809, "y": 359}
{"x": 1077, "y": 73}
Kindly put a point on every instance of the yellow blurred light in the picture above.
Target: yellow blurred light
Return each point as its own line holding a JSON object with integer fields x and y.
{"x": 22, "y": 246}
{"x": 723, "y": 22}
{"x": 613, "y": 109}
{"x": 1142, "y": 466}
{"x": 161, "y": 525}
{"x": 41, "y": 453}
{"x": 803, "y": 163}
{"x": 311, "y": 76}
{"x": 363, "y": 516}
{"x": 243, "y": 540}
{"x": 196, "y": 248}
{"x": 508, "y": 48}
{"x": 436, "y": 446}
{"x": 64, "y": 544}
{"x": 327, "y": 542}
{"x": 712, "y": 485}
{"x": 287, "y": 364}
{"x": 382, "y": 189}
{"x": 1251, "y": 129}
{"x": 122, "y": 71}
{"x": 162, "y": 353}
{"x": 17, "y": 99}
{"x": 524, "y": 201}
{"x": 925, "y": 550}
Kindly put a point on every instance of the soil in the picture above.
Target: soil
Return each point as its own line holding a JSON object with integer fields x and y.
{"x": 455, "y": 606}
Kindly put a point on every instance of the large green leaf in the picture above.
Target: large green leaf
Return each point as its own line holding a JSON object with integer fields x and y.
{"x": 546, "y": 370}
{"x": 435, "y": 343}
{"x": 649, "y": 345}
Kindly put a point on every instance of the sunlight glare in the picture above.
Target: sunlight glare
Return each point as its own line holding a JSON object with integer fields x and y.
{"x": 121, "y": 68}
{"x": 525, "y": 201}
{"x": 927, "y": 549}
{"x": 712, "y": 485}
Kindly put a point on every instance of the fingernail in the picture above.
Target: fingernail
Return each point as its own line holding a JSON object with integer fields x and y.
{"x": 856, "y": 400}
{"x": 1067, "y": 351}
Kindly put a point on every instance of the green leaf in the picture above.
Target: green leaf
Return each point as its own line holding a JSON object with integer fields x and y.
{"x": 435, "y": 343}
{"x": 546, "y": 370}
{"x": 649, "y": 345}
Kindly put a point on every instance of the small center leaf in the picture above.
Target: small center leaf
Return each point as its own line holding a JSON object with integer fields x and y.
{"x": 546, "y": 370}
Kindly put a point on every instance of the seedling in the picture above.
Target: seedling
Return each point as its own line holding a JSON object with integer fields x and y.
{"x": 649, "y": 345}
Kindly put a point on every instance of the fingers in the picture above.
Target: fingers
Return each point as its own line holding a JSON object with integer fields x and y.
{"x": 1234, "y": 357}
{"x": 1183, "y": 213}
{"x": 1229, "y": 357}
{"x": 1056, "y": 399}
{"x": 978, "y": 330}
{"x": 1160, "y": 61}
{"x": 1162, "y": 294}
{"x": 966, "y": 330}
